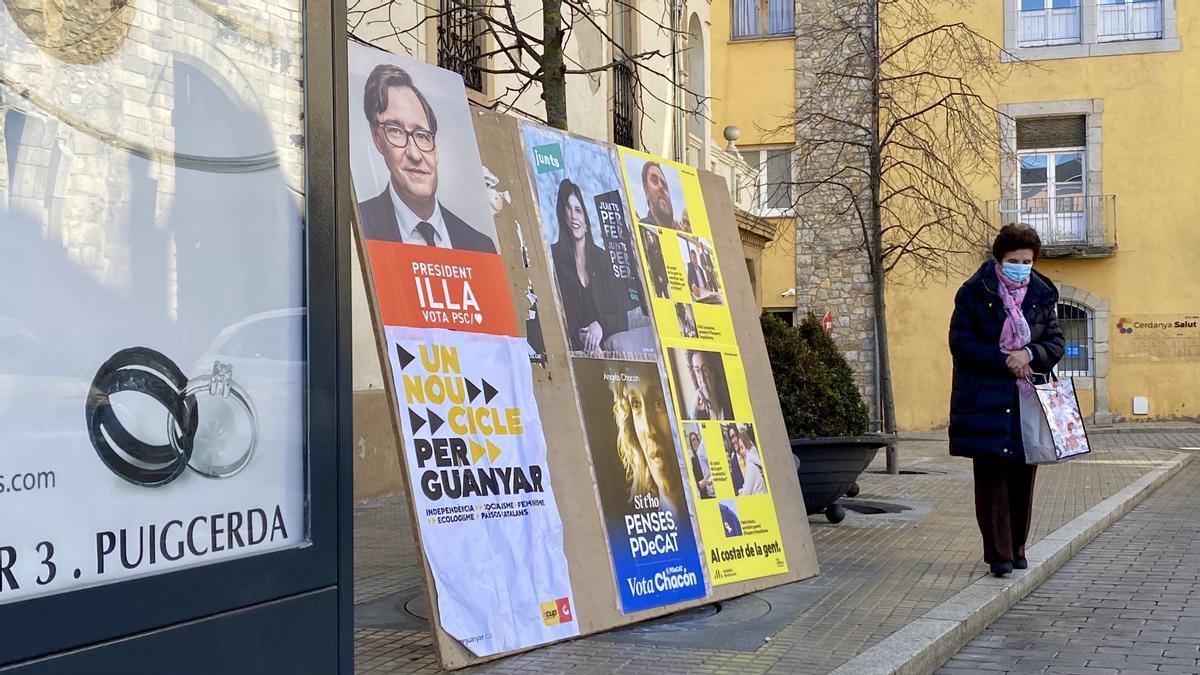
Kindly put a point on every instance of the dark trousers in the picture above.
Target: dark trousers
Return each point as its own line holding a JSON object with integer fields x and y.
{"x": 1003, "y": 507}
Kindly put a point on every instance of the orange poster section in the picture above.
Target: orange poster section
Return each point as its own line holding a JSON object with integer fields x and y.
{"x": 427, "y": 287}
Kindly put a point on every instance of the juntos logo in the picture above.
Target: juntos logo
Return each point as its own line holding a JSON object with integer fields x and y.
{"x": 548, "y": 158}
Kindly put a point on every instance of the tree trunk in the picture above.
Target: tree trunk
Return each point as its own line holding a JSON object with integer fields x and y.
{"x": 883, "y": 374}
{"x": 887, "y": 398}
{"x": 553, "y": 76}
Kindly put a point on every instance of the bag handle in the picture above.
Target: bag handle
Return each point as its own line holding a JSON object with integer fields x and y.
{"x": 1047, "y": 379}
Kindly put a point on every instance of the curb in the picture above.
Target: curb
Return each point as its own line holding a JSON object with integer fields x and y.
{"x": 1149, "y": 429}
{"x": 925, "y": 644}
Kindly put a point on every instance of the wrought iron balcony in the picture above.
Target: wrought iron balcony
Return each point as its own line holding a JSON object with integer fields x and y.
{"x": 460, "y": 41}
{"x": 1074, "y": 226}
{"x": 624, "y": 105}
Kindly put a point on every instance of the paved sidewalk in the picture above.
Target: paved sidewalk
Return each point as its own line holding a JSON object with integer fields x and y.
{"x": 1126, "y": 603}
{"x": 879, "y": 573}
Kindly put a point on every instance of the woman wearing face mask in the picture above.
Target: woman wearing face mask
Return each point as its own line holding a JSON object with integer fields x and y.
{"x": 594, "y": 303}
{"x": 1003, "y": 330}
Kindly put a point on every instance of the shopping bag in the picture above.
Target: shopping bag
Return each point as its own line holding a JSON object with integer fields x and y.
{"x": 1035, "y": 430}
{"x": 1060, "y": 408}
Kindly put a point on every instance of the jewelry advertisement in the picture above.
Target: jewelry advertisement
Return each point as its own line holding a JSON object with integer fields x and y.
{"x": 152, "y": 329}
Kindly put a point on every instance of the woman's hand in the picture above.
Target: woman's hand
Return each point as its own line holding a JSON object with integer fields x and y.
{"x": 591, "y": 335}
{"x": 1018, "y": 363}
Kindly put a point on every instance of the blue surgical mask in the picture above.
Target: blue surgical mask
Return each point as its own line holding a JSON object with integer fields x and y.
{"x": 1017, "y": 272}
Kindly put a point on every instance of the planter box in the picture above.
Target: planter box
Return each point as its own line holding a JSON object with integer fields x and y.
{"x": 828, "y": 468}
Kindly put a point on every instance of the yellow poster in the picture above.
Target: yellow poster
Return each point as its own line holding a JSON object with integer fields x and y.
{"x": 724, "y": 458}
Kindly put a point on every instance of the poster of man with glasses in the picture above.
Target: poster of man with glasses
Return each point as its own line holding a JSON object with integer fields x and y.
{"x": 449, "y": 334}
{"x": 423, "y": 213}
{"x": 415, "y": 207}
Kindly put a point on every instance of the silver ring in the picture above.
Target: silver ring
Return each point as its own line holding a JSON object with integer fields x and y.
{"x": 219, "y": 383}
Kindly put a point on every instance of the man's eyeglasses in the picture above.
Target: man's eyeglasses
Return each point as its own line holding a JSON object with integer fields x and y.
{"x": 398, "y": 136}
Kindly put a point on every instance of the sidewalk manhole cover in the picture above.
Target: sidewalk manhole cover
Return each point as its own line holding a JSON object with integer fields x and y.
{"x": 738, "y": 624}
{"x": 726, "y": 612}
{"x": 417, "y": 606}
{"x": 405, "y": 610}
{"x": 872, "y": 508}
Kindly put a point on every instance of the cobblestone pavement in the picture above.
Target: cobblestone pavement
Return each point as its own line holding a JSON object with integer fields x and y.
{"x": 878, "y": 572}
{"x": 1126, "y": 603}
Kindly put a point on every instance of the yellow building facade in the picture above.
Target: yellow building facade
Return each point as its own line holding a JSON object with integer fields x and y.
{"x": 1094, "y": 151}
{"x": 753, "y": 89}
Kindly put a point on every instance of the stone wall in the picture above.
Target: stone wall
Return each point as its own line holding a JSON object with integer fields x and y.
{"x": 832, "y": 270}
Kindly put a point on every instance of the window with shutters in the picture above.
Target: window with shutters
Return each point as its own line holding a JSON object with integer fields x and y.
{"x": 1129, "y": 20}
{"x": 1049, "y": 22}
{"x": 1051, "y": 154}
{"x": 1051, "y": 177}
{"x": 1067, "y": 29}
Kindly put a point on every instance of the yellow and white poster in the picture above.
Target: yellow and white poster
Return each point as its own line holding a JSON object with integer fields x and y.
{"x": 724, "y": 457}
{"x": 480, "y": 483}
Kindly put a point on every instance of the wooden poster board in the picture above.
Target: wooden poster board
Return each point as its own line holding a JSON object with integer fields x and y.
{"x": 594, "y": 584}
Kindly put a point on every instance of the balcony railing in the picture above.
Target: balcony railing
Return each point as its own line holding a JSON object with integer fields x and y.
{"x": 1042, "y": 27}
{"x": 1076, "y": 226}
{"x": 624, "y": 105}
{"x": 740, "y": 176}
{"x": 1142, "y": 20}
{"x": 460, "y": 41}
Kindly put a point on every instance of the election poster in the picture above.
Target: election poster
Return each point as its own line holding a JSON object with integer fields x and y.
{"x": 422, "y": 195}
{"x": 472, "y": 440}
{"x": 725, "y": 466}
{"x": 642, "y": 493}
{"x": 480, "y": 484}
{"x": 153, "y": 363}
{"x": 618, "y": 369}
{"x": 587, "y": 227}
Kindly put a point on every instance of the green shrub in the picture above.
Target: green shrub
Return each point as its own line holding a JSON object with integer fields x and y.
{"x": 815, "y": 384}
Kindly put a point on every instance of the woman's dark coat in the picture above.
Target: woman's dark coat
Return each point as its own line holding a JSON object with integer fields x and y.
{"x": 984, "y": 408}
{"x": 604, "y": 300}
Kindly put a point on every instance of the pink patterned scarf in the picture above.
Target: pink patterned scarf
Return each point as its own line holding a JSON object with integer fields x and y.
{"x": 1015, "y": 334}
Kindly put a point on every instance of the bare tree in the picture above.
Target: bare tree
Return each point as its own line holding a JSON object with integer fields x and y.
{"x": 526, "y": 45}
{"x": 894, "y": 131}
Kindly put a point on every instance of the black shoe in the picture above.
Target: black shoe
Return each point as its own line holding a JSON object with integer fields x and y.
{"x": 1002, "y": 568}
{"x": 1020, "y": 563}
